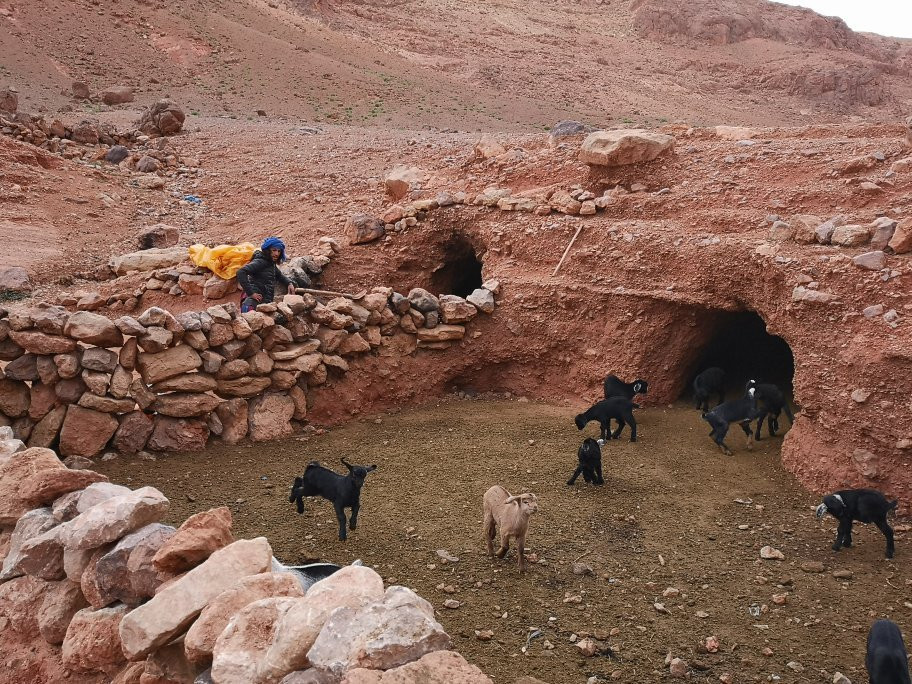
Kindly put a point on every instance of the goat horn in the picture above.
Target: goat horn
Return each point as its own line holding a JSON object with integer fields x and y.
{"x": 511, "y": 499}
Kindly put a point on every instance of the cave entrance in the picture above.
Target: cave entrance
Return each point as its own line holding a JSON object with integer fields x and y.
{"x": 740, "y": 344}
{"x": 460, "y": 272}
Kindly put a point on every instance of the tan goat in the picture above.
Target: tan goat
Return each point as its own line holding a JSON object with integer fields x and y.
{"x": 511, "y": 515}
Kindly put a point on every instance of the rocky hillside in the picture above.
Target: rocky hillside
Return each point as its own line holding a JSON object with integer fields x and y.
{"x": 507, "y": 66}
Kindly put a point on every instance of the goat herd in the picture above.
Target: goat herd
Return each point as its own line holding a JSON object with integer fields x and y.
{"x": 886, "y": 662}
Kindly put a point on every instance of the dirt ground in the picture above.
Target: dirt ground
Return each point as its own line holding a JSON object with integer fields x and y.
{"x": 667, "y": 516}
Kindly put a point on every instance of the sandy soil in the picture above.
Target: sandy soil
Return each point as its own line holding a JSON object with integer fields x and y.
{"x": 667, "y": 516}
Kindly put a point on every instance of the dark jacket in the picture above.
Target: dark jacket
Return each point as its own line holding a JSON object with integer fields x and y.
{"x": 260, "y": 276}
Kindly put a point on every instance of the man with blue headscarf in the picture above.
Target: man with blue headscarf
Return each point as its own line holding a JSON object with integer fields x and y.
{"x": 258, "y": 278}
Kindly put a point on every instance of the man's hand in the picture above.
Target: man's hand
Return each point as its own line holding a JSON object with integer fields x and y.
{"x": 291, "y": 288}
{"x": 257, "y": 296}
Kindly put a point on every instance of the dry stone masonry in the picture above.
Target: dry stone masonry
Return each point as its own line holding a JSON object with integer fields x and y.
{"x": 93, "y": 584}
{"x": 83, "y": 383}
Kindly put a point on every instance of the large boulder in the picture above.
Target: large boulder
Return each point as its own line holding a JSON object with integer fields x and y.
{"x": 270, "y": 416}
{"x": 178, "y": 434}
{"x": 15, "y": 398}
{"x": 38, "y": 342}
{"x": 86, "y": 432}
{"x": 116, "y": 95}
{"x": 234, "y": 416}
{"x": 116, "y": 581}
{"x": 13, "y": 471}
{"x": 162, "y": 118}
{"x": 439, "y": 667}
{"x": 133, "y": 432}
{"x": 270, "y": 638}
{"x": 63, "y": 600}
{"x": 381, "y": 635}
{"x": 145, "y": 578}
{"x": 9, "y": 100}
{"x": 401, "y": 179}
{"x": 31, "y": 525}
{"x": 167, "y": 364}
{"x": 20, "y": 601}
{"x": 423, "y": 300}
{"x": 185, "y": 404}
{"x": 455, "y": 309}
{"x": 901, "y": 242}
{"x": 14, "y": 279}
{"x": 45, "y": 486}
{"x": 174, "y": 607}
{"x": 197, "y": 539}
{"x": 92, "y": 641}
{"x": 111, "y": 519}
{"x": 158, "y": 236}
{"x": 201, "y": 637}
{"x": 622, "y": 147}
{"x": 42, "y": 556}
{"x": 93, "y": 328}
{"x": 147, "y": 260}
{"x": 363, "y": 228}
{"x": 851, "y": 235}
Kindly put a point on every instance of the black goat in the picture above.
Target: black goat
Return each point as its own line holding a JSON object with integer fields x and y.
{"x": 615, "y": 387}
{"x": 863, "y": 505}
{"x": 344, "y": 491}
{"x": 773, "y": 403}
{"x": 706, "y": 384}
{"x": 590, "y": 463}
{"x": 604, "y": 411}
{"x": 887, "y": 661}
{"x": 741, "y": 411}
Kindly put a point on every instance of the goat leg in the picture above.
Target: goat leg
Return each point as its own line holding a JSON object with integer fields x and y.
{"x": 340, "y": 515}
{"x": 576, "y": 474}
{"x": 884, "y": 527}
{"x": 504, "y": 546}
{"x": 617, "y": 433}
{"x": 353, "y": 521}
{"x": 521, "y": 552}
{"x": 489, "y": 533}
{"x": 633, "y": 427}
{"x": 841, "y": 532}
{"x": 760, "y": 425}
{"x": 745, "y": 425}
{"x": 599, "y": 480}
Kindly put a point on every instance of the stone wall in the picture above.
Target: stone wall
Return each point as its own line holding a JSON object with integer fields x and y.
{"x": 82, "y": 383}
{"x": 94, "y": 588}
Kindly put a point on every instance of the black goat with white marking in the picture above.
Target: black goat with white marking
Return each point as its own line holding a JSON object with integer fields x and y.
{"x": 708, "y": 383}
{"x": 344, "y": 491}
{"x": 741, "y": 411}
{"x": 887, "y": 661}
{"x": 863, "y": 505}
{"x": 773, "y": 403}
{"x": 615, "y": 387}
{"x": 590, "y": 463}
{"x": 616, "y": 408}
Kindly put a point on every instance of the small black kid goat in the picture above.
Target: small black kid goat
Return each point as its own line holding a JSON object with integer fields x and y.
{"x": 344, "y": 491}
{"x": 590, "y": 463}
{"x": 863, "y": 505}
{"x": 741, "y": 411}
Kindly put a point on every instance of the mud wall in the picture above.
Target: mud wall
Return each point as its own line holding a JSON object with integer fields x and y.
{"x": 644, "y": 299}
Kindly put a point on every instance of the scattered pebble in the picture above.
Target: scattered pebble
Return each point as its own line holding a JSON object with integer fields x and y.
{"x": 452, "y": 604}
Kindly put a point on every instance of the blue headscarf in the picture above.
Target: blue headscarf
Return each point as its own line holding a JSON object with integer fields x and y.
{"x": 271, "y": 242}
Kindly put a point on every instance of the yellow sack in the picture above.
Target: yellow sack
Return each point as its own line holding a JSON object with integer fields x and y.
{"x": 225, "y": 260}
